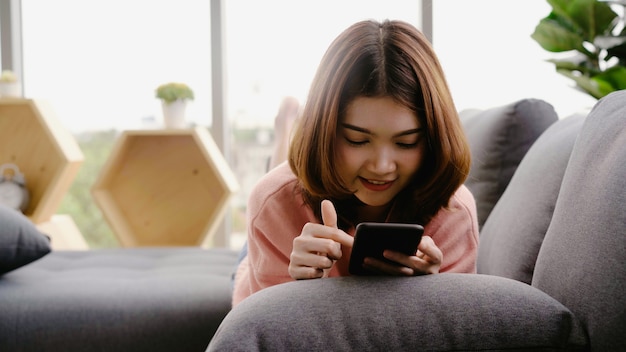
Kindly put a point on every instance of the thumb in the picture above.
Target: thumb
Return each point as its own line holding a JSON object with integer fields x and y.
{"x": 329, "y": 215}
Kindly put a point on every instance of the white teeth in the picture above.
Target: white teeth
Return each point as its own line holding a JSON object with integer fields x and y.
{"x": 376, "y": 182}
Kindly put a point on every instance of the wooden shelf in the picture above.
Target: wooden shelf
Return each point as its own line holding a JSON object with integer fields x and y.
{"x": 49, "y": 157}
{"x": 164, "y": 187}
{"x": 63, "y": 232}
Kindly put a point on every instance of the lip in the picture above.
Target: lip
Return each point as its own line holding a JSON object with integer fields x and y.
{"x": 378, "y": 186}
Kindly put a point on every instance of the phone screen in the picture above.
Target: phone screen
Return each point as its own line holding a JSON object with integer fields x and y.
{"x": 371, "y": 239}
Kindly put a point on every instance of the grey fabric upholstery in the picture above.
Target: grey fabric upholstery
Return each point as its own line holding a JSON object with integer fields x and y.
{"x": 582, "y": 262}
{"x": 151, "y": 299}
{"x": 20, "y": 241}
{"x": 511, "y": 237}
{"x": 499, "y": 138}
{"x": 576, "y": 300}
{"x": 447, "y": 312}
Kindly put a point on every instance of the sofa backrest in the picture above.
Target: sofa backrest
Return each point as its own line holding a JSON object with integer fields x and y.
{"x": 512, "y": 235}
{"x": 582, "y": 261}
{"x": 499, "y": 138}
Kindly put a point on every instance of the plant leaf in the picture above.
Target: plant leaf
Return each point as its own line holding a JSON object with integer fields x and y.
{"x": 605, "y": 18}
{"x": 552, "y": 36}
{"x": 586, "y": 27}
{"x": 614, "y": 77}
{"x": 604, "y": 87}
{"x": 583, "y": 82}
{"x": 589, "y": 18}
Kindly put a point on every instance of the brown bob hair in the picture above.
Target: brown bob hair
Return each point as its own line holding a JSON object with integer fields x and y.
{"x": 380, "y": 59}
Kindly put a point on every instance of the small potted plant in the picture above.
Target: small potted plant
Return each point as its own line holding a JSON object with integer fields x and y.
{"x": 174, "y": 97}
{"x": 9, "y": 85}
{"x": 170, "y": 92}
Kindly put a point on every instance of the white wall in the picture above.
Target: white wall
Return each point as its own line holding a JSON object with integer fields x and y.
{"x": 490, "y": 59}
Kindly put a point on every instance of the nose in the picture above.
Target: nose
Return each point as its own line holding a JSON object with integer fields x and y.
{"x": 383, "y": 161}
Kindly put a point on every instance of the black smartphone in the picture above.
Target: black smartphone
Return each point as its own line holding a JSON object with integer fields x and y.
{"x": 372, "y": 238}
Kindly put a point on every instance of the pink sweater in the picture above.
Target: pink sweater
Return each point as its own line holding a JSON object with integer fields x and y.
{"x": 276, "y": 214}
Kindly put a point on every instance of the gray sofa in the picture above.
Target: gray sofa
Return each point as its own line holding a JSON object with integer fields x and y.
{"x": 552, "y": 268}
{"x": 174, "y": 299}
{"x": 147, "y": 299}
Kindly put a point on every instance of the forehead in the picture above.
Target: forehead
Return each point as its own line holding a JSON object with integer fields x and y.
{"x": 380, "y": 113}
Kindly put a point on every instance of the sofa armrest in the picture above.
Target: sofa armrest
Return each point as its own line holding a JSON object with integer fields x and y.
{"x": 445, "y": 312}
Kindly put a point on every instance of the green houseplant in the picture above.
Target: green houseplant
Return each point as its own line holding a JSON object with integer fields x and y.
{"x": 596, "y": 36}
{"x": 174, "y": 97}
{"x": 170, "y": 92}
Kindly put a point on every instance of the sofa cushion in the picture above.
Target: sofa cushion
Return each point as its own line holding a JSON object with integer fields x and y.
{"x": 141, "y": 299}
{"x": 20, "y": 241}
{"x": 445, "y": 312}
{"x": 512, "y": 235}
{"x": 582, "y": 262}
{"x": 499, "y": 138}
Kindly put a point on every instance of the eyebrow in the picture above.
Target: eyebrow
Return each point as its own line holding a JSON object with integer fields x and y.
{"x": 365, "y": 130}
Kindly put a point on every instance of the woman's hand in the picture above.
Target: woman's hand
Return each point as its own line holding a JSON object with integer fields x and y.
{"x": 427, "y": 260}
{"x": 318, "y": 246}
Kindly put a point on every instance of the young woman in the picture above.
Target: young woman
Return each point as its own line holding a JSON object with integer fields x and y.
{"x": 379, "y": 139}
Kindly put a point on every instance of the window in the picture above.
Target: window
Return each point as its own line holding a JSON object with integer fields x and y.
{"x": 272, "y": 51}
{"x": 490, "y": 59}
{"x": 98, "y": 63}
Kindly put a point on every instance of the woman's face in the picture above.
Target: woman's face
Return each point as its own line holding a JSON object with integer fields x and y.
{"x": 380, "y": 146}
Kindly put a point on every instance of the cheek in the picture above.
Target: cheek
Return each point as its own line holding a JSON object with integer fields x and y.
{"x": 346, "y": 160}
{"x": 411, "y": 162}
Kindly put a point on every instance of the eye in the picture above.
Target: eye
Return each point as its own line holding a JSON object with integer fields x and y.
{"x": 407, "y": 145}
{"x": 357, "y": 142}
{"x": 409, "y": 141}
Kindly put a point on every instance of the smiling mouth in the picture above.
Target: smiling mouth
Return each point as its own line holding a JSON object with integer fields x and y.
{"x": 376, "y": 185}
{"x": 374, "y": 182}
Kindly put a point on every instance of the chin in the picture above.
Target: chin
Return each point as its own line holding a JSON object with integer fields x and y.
{"x": 374, "y": 202}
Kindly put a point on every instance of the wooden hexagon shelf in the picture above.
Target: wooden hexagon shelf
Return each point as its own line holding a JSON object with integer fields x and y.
{"x": 46, "y": 154}
{"x": 164, "y": 187}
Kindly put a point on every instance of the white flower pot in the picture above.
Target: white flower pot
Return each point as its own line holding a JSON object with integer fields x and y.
{"x": 174, "y": 114}
{"x": 10, "y": 89}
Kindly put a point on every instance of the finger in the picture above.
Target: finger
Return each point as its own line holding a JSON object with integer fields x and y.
{"x": 311, "y": 260}
{"x": 427, "y": 260}
{"x": 318, "y": 238}
{"x": 343, "y": 238}
{"x": 319, "y": 246}
{"x": 405, "y": 264}
{"x": 329, "y": 218}
{"x": 381, "y": 267}
{"x": 304, "y": 273}
{"x": 329, "y": 215}
{"x": 429, "y": 251}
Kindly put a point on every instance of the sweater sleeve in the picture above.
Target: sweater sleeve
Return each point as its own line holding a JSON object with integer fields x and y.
{"x": 455, "y": 231}
{"x": 276, "y": 214}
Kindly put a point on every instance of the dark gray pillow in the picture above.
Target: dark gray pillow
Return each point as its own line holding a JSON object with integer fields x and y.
{"x": 443, "y": 312}
{"x": 512, "y": 235}
{"x": 20, "y": 241}
{"x": 582, "y": 261}
{"x": 499, "y": 138}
